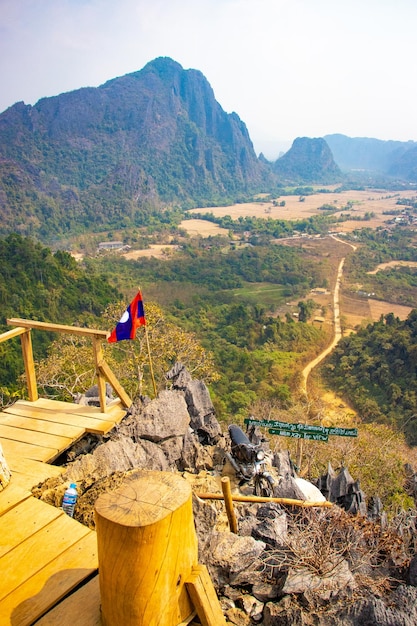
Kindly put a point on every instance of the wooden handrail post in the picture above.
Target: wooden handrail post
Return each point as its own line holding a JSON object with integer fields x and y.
{"x": 101, "y": 381}
{"x": 104, "y": 373}
{"x": 228, "y": 501}
{"x": 26, "y": 341}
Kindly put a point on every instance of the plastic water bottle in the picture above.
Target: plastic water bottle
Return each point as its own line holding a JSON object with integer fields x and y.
{"x": 69, "y": 500}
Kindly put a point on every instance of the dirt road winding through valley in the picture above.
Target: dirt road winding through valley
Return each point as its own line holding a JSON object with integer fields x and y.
{"x": 336, "y": 321}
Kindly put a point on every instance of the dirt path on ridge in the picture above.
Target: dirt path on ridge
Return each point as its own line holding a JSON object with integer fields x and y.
{"x": 336, "y": 321}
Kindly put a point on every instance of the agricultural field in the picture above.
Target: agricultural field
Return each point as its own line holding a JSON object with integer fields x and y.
{"x": 356, "y": 311}
{"x": 361, "y": 202}
{"x": 203, "y": 228}
{"x": 158, "y": 251}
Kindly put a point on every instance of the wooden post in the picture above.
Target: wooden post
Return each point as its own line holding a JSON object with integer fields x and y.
{"x": 204, "y": 597}
{"x": 147, "y": 548}
{"x": 26, "y": 340}
{"x": 5, "y": 473}
{"x": 228, "y": 501}
{"x": 101, "y": 381}
{"x": 105, "y": 370}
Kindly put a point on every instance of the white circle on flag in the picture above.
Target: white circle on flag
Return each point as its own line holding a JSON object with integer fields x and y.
{"x": 124, "y": 318}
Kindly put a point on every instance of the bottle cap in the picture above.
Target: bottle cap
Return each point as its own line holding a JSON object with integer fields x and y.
{"x": 73, "y": 485}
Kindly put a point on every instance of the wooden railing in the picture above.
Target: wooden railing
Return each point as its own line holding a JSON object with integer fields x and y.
{"x": 103, "y": 371}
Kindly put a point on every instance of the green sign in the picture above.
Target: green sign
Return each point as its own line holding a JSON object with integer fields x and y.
{"x": 298, "y": 434}
{"x": 293, "y": 430}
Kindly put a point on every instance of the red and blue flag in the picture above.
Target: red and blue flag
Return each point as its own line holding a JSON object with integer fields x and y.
{"x": 132, "y": 318}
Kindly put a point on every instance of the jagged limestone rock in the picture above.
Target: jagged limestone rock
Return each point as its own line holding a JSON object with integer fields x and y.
{"x": 301, "y": 580}
{"x": 115, "y": 456}
{"x": 234, "y": 560}
{"x": 398, "y": 609}
{"x": 269, "y": 525}
{"x": 165, "y": 416}
{"x": 199, "y": 404}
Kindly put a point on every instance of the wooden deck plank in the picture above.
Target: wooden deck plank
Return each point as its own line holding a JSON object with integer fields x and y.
{"x": 23, "y": 520}
{"x": 90, "y": 424}
{"x": 34, "y": 437}
{"x": 36, "y": 552}
{"x": 27, "y": 450}
{"x": 28, "y": 473}
{"x": 12, "y": 495}
{"x": 25, "y": 604}
{"x": 41, "y": 425}
{"x": 112, "y": 412}
{"x": 68, "y": 613}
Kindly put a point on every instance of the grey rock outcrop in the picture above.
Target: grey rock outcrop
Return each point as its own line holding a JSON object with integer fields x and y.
{"x": 234, "y": 560}
{"x": 260, "y": 574}
{"x": 200, "y": 407}
{"x": 343, "y": 489}
{"x": 91, "y": 397}
{"x": 163, "y": 418}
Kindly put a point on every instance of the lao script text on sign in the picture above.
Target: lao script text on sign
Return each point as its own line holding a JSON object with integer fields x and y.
{"x": 298, "y": 434}
{"x": 290, "y": 430}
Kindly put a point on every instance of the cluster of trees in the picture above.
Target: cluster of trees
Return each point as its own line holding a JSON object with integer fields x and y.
{"x": 397, "y": 284}
{"x": 37, "y": 284}
{"x": 206, "y": 295}
{"x": 376, "y": 370}
{"x": 229, "y": 299}
{"x": 318, "y": 224}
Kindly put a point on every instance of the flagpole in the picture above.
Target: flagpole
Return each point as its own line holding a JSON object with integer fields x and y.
{"x": 149, "y": 354}
{"x": 150, "y": 359}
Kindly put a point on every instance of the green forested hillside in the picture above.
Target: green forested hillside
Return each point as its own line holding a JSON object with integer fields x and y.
{"x": 376, "y": 370}
{"x": 229, "y": 298}
{"x": 100, "y": 157}
{"x": 397, "y": 284}
{"x": 36, "y": 284}
{"x": 225, "y": 297}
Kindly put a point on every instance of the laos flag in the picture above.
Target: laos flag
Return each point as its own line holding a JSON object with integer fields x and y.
{"x": 132, "y": 318}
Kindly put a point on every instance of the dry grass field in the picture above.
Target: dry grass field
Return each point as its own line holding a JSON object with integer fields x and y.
{"x": 383, "y": 266}
{"x": 202, "y": 228}
{"x": 379, "y": 308}
{"x": 156, "y": 250}
{"x": 363, "y": 202}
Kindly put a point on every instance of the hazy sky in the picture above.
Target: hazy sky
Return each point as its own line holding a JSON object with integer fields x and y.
{"x": 288, "y": 68}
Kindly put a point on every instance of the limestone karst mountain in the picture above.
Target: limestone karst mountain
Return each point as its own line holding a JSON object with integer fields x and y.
{"x": 113, "y": 155}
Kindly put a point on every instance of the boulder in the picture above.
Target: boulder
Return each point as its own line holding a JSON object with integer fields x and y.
{"x": 121, "y": 455}
{"x": 269, "y": 525}
{"x": 199, "y": 404}
{"x": 194, "y": 456}
{"x": 165, "y": 416}
{"x": 302, "y": 579}
{"x": 234, "y": 560}
{"x": 288, "y": 488}
{"x": 265, "y": 592}
{"x": 310, "y": 491}
{"x": 91, "y": 397}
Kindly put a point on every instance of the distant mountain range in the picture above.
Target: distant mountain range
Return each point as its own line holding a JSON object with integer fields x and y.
{"x": 396, "y": 159}
{"x": 109, "y": 156}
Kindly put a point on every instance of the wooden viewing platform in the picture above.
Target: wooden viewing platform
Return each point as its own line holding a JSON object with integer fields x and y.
{"x": 48, "y": 561}
{"x": 44, "y": 554}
